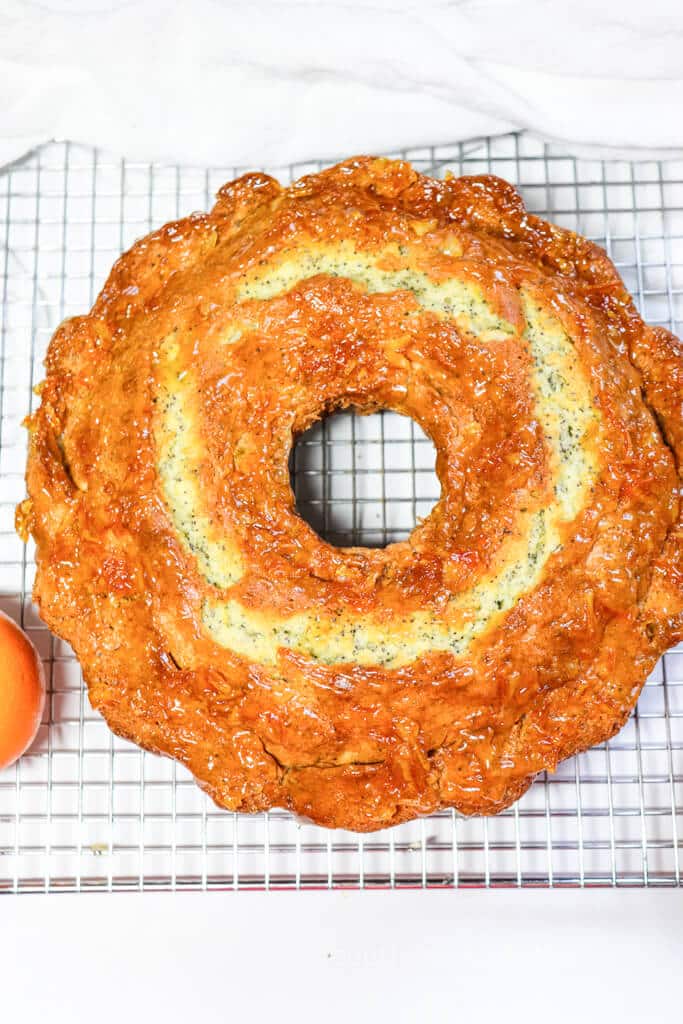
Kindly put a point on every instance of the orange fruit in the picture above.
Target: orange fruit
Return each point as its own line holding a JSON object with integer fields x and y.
{"x": 22, "y": 692}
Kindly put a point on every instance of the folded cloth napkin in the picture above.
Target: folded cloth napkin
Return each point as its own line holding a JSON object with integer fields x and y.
{"x": 276, "y": 81}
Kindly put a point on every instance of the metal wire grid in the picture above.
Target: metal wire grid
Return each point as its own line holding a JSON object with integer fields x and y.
{"x": 86, "y": 810}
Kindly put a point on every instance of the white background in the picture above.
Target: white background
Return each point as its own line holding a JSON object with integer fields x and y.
{"x": 407, "y": 956}
{"x": 272, "y": 81}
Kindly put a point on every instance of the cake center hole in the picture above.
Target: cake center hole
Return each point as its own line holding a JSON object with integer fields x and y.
{"x": 364, "y": 480}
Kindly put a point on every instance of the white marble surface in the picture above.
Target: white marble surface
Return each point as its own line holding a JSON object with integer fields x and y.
{"x": 283, "y": 80}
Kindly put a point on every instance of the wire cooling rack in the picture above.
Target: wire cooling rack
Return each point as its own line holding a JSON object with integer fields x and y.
{"x": 85, "y": 810}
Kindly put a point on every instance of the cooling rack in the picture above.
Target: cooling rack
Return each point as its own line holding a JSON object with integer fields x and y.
{"x": 85, "y": 810}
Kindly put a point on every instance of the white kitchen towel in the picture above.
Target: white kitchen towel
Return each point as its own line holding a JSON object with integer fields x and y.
{"x": 274, "y": 81}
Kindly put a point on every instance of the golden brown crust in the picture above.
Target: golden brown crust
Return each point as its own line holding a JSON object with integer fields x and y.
{"x": 360, "y": 745}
